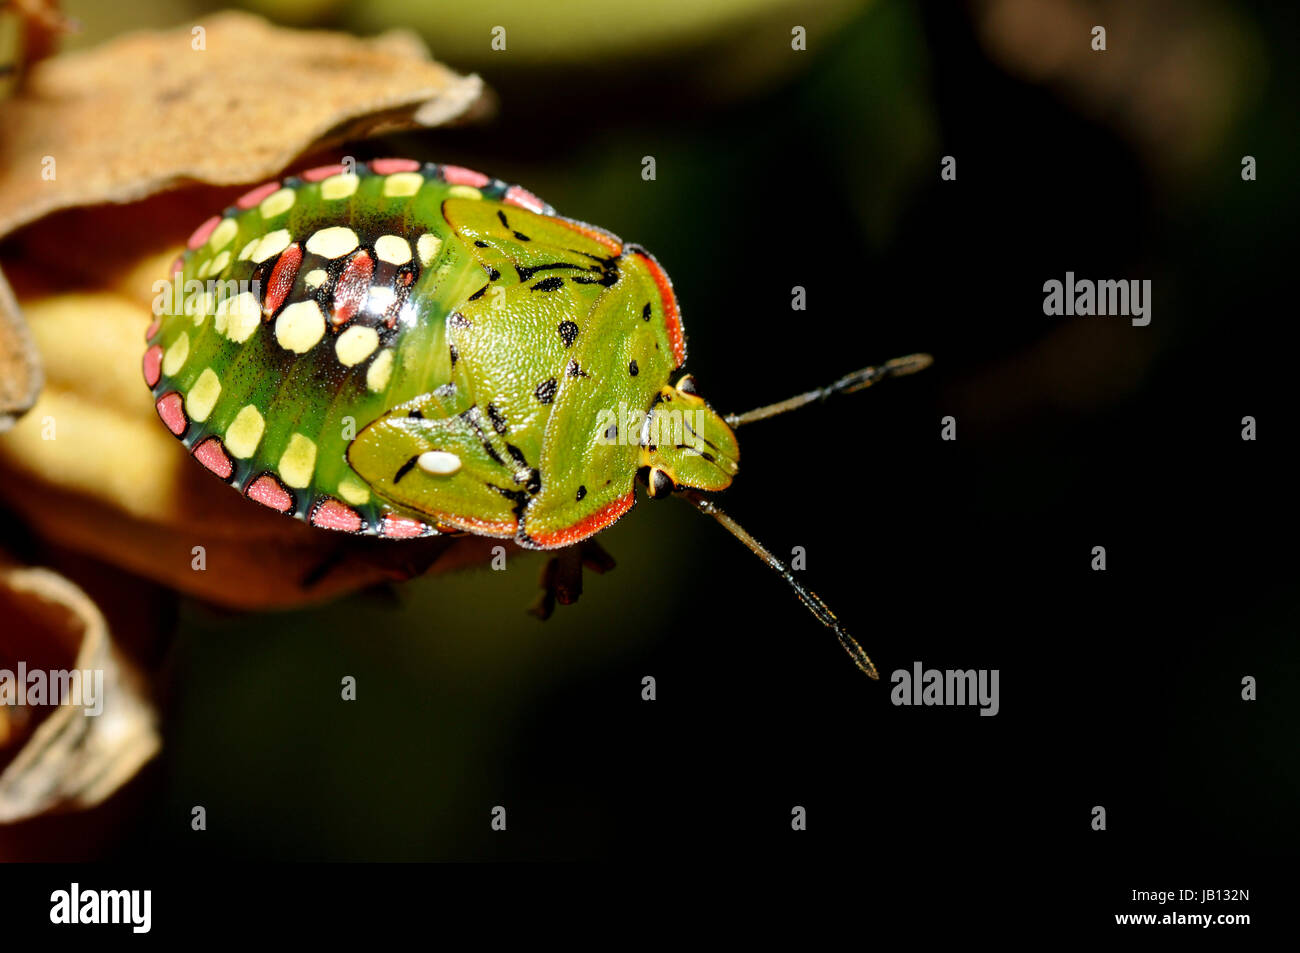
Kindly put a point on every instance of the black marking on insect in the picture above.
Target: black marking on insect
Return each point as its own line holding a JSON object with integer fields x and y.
{"x": 645, "y": 312}
{"x": 479, "y": 243}
{"x": 582, "y": 491}
{"x": 526, "y": 272}
{"x": 517, "y": 455}
{"x": 492, "y": 273}
{"x": 405, "y": 468}
{"x": 498, "y": 422}
{"x": 454, "y": 355}
{"x": 531, "y": 478}
{"x": 688, "y": 426}
{"x": 568, "y": 330}
{"x": 553, "y": 283}
{"x": 545, "y": 392}
{"x": 458, "y": 320}
{"x": 520, "y": 498}
{"x": 574, "y": 370}
{"x": 633, "y": 369}
{"x": 471, "y": 417}
{"x": 478, "y": 294}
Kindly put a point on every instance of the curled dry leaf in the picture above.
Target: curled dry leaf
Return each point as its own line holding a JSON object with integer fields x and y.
{"x": 148, "y": 112}
{"x": 91, "y": 467}
{"x": 29, "y": 32}
{"x": 84, "y": 749}
{"x": 20, "y": 366}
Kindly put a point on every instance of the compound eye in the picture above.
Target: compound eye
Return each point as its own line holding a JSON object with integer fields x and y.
{"x": 661, "y": 484}
{"x": 687, "y": 384}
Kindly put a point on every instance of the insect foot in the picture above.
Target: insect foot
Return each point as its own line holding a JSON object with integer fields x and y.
{"x": 561, "y": 578}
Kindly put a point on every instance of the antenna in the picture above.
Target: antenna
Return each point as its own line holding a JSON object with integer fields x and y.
{"x": 856, "y": 381}
{"x": 809, "y": 598}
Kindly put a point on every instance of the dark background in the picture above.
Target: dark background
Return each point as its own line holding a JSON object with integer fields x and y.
{"x": 1118, "y": 688}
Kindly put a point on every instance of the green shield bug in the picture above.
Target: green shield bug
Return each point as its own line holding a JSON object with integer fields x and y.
{"x": 404, "y": 349}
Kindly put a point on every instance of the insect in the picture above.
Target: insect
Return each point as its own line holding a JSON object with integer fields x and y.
{"x": 404, "y": 349}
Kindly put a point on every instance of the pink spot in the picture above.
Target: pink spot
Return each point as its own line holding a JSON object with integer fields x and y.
{"x": 212, "y": 455}
{"x": 249, "y": 199}
{"x": 202, "y": 232}
{"x": 458, "y": 175}
{"x": 400, "y": 527}
{"x": 282, "y": 277}
{"x": 267, "y": 490}
{"x": 172, "y": 412}
{"x": 524, "y": 199}
{"x": 152, "y": 364}
{"x": 178, "y": 265}
{"x": 154, "y": 325}
{"x": 352, "y": 288}
{"x": 331, "y": 514}
{"x": 389, "y": 166}
{"x": 321, "y": 172}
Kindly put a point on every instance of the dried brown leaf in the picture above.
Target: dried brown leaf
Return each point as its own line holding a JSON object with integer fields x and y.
{"x": 70, "y": 760}
{"x": 147, "y": 112}
{"x": 20, "y": 365}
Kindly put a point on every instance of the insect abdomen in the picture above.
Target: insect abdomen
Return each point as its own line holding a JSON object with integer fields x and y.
{"x": 304, "y": 312}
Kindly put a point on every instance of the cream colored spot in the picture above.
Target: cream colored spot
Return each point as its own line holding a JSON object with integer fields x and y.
{"x": 199, "y": 307}
{"x": 381, "y": 368}
{"x": 216, "y": 265}
{"x": 427, "y": 246}
{"x": 392, "y": 249}
{"x": 439, "y": 462}
{"x": 356, "y": 344}
{"x": 354, "y": 491}
{"x": 339, "y": 186}
{"x": 277, "y": 203}
{"x": 298, "y": 461}
{"x": 464, "y": 192}
{"x": 271, "y": 244}
{"x": 315, "y": 278}
{"x": 300, "y": 326}
{"x": 203, "y": 395}
{"x": 403, "y": 183}
{"x": 174, "y": 359}
{"x": 248, "y": 250}
{"x": 245, "y": 432}
{"x": 239, "y": 317}
{"x": 333, "y": 242}
{"x": 194, "y": 305}
{"x": 223, "y": 234}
